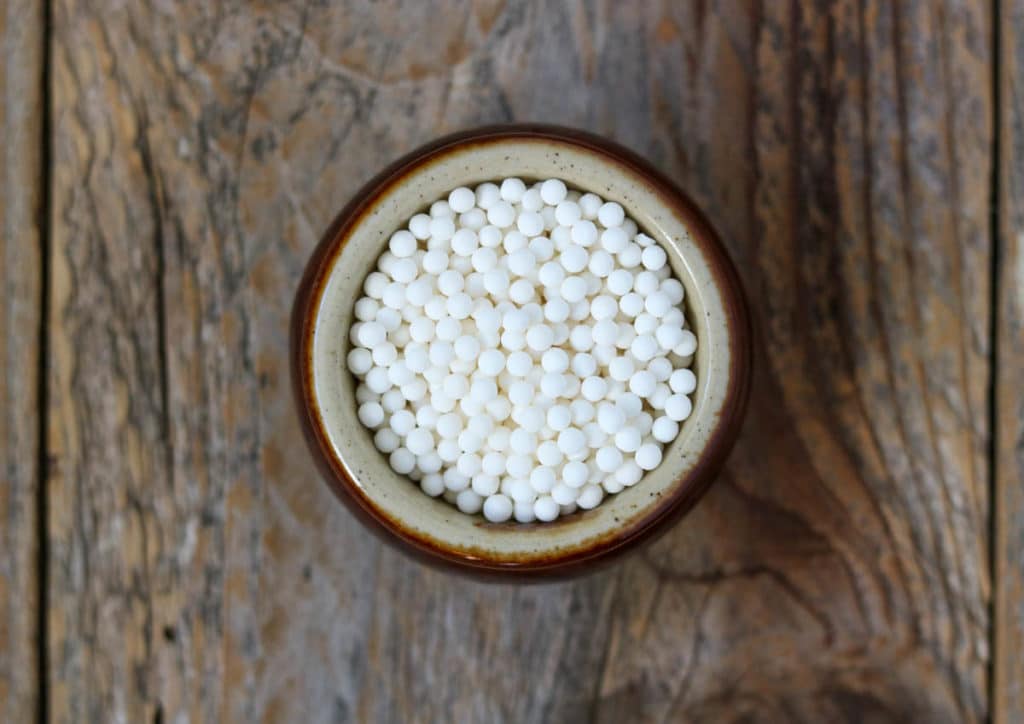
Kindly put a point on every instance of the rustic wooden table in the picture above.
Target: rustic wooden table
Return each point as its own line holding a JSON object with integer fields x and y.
{"x": 168, "y": 553}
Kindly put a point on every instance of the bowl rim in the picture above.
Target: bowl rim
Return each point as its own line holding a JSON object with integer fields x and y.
{"x": 693, "y": 484}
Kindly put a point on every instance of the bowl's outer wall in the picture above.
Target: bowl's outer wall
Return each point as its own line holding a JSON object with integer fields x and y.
{"x": 605, "y": 550}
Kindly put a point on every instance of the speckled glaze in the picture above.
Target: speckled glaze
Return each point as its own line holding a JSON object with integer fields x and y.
{"x": 392, "y": 505}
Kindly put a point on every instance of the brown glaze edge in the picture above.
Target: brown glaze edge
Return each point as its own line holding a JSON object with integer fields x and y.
{"x": 690, "y": 489}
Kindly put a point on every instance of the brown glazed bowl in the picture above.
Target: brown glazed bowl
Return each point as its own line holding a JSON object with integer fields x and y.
{"x": 393, "y": 506}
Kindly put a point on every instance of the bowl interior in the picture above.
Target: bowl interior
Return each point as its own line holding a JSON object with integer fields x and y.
{"x": 397, "y": 500}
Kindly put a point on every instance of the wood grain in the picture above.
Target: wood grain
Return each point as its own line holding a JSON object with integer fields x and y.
{"x": 838, "y": 571}
{"x": 21, "y": 194}
{"x": 1008, "y": 549}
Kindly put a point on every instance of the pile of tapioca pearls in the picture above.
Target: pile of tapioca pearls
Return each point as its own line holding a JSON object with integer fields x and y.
{"x": 522, "y": 351}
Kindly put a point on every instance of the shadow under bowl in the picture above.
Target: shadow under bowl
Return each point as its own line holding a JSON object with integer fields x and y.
{"x": 393, "y": 506}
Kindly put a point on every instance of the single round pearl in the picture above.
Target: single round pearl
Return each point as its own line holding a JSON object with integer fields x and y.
{"x": 571, "y": 441}
{"x": 487, "y": 194}
{"x": 590, "y": 497}
{"x": 442, "y": 228}
{"x": 611, "y": 214}
{"x": 610, "y": 419}
{"x": 512, "y": 190}
{"x": 473, "y": 219}
{"x": 584, "y": 233}
{"x": 461, "y": 200}
{"x": 532, "y": 200}
{"x": 402, "y": 244}
{"x": 530, "y": 419}
{"x": 542, "y": 480}
{"x": 674, "y": 289}
{"x": 644, "y": 347}
{"x": 575, "y": 474}
{"x": 601, "y": 263}
{"x": 491, "y": 362}
{"x": 440, "y": 208}
{"x": 628, "y": 439}
{"x": 665, "y": 429}
{"x": 366, "y": 309}
{"x": 559, "y": 417}
{"x": 678, "y": 407}
{"x": 360, "y": 361}
{"x": 419, "y": 441}
{"x": 519, "y": 363}
{"x": 683, "y": 381}
{"x": 417, "y": 356}
{"x": 657, "y": 304}
{"x": 467, "y": 348}
{"x": 386, "y": 440}
{"x": 603, "y": 307}
{"x": 608, "y": 459}
{"x": 568, "y": 213}
{"x": 501, "y": 214}
{"x": 645, "y": 283}
{"x": 548, "y": 453}
{"x": 551, "y": 274}
{"x": 552, "y": 192}
{"x": 630, "y": 256}
{"x": 485, "y": 484}
{"x": 496, "y": 282}
{"x": 521, "y": 291}
{"x": 545, "y": 509}
{"x": 594, "y": 388}
{"x": 432, "y": 485}
{"x": 669, "y": 337}
{"x": 469, "y": 502}
{"x": 581, "y": 338}
{"x": 688, "y": 345}
{"x": 555, "y": 360}
{"x": 539, "y": 337}
{"x": 450, "y": 282}
{"x": 464, "y": 242}
{"x": 371, "y": 414}
{"x": 631, "y": 304}
{"x": 574, "y": 258}
{"x": 573, "y": 289}
{"x": 518, "y": 466}
{"x": 402, "y": 461}
{"x": 648, "y": 456}
{"x": 653, "y": 257}
{"x": 468, "y": 464}
{"x": 564, "y": 494}
{"x": 497, "y": 508}
{"x": 583, "y": 364}
{"x": 606, "y": 331}
{"x": 419, "y": 225}
{"x": 449, "y": 450}
{"x": 642, "y": 383}
{"x": 589, "y": 204}
{"x": 521, "y": 393}
{"x": 629, "y": 474}
{"x": 530, "y": 223}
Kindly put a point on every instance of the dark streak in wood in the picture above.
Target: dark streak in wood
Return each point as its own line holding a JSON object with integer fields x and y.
{"x": 1008, "y": 375}
{"x": 22, "y": 239}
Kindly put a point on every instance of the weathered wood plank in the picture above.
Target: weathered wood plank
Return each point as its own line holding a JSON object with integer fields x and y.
{"x": 21, "y": 189}
{"x": 1008, "y": 689}
{"x": 838, "y": 570}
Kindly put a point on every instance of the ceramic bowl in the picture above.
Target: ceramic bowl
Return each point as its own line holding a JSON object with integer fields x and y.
{"x": 391, "y": 504}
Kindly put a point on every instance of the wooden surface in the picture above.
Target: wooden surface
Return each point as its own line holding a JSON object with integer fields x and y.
{"x": 197, "y": 570}
{"x": 21, "y": 187}
{"x": 1008, "y": 685}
